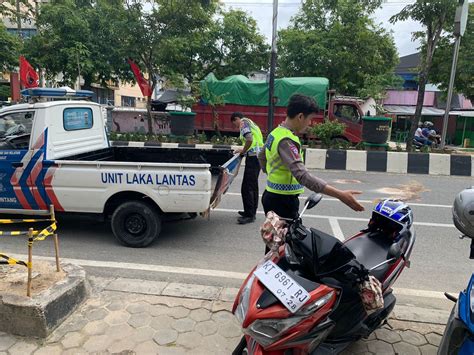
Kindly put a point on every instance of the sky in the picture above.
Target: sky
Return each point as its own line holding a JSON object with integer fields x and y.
{"x": 262, "y": 10}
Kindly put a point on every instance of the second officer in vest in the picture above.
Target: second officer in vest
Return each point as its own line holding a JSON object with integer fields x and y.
{"x": 282, "y": 161}
{"x": 252, "y": 140}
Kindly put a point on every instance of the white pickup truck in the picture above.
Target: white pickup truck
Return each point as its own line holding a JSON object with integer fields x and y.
{"x": 57, "y": 152}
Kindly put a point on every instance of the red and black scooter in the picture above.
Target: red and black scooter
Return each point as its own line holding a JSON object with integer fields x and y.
{"x": 306, "y": 298}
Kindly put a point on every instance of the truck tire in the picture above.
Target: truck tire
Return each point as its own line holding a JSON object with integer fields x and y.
{"x": 136, "y": 224}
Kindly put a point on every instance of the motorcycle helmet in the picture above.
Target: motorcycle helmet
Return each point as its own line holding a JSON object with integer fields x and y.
{"x": 392, "y": 217}
{"x": 428, "y": 124}
{"x": 463, "y": 212}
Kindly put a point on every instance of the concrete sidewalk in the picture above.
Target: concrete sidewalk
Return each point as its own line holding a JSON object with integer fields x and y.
{"x": 130, "y": 316}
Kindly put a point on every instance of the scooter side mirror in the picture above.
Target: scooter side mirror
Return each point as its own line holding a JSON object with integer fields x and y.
{"x": 313, "y": 200}
{"x": 394, "y": 252}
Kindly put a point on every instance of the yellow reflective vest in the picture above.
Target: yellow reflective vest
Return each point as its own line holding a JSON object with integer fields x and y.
{"x": 279, "y": 177}
{"x": 257, "y": 142}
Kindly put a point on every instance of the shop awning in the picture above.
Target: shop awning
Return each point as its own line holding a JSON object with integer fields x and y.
{"x": 462, "y": 113}
{"x": 410, "y": 110}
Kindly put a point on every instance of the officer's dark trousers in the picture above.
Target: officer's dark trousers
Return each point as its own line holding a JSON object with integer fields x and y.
{"x": 286, "y": 206}
{"x": 249, "y": 188}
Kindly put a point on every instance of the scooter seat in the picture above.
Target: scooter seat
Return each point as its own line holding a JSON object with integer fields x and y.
{"x": 370, "y": 251}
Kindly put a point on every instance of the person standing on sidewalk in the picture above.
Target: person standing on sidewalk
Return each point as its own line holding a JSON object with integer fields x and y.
{"x": 282, "y": 161}
{"x": 252, "y": 140}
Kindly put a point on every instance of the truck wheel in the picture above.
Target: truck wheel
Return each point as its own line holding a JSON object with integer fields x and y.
{"x": 136, "y": 224}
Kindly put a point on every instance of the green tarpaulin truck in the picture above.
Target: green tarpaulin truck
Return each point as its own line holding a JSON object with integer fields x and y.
{"x": 251, "y": 98}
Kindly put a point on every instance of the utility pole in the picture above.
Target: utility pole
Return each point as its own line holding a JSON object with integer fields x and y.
{"x": 271, "y": 83}
{"x": 460, "y": 22}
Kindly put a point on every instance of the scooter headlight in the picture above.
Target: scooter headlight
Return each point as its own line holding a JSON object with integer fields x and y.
{"x": 267, "y": 331}
{"x": 243, "y": 307}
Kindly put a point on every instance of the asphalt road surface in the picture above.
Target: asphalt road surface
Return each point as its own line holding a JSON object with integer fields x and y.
{"x": 220, "y": 252}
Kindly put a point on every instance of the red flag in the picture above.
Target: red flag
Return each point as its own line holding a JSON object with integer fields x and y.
{"x": 142, "y": 83}
{"x": 28, "y": 75}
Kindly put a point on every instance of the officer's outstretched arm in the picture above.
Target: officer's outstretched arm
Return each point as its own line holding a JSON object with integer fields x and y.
{"x": 346, "y": 196}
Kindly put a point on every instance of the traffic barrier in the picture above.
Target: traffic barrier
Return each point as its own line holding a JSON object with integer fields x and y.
{"x": 11, "y": 261}
{"x": 33, "y": 236}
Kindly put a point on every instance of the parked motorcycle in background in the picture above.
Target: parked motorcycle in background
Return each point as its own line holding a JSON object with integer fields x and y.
{"x": 314, "y": 293}
{"x": 458, "y": 337}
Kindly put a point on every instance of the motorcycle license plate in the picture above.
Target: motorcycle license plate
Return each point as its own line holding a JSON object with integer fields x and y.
{"x": 288, "y": 291}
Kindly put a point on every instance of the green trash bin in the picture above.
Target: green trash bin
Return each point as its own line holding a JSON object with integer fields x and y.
{"x": 182, "y": 123}
{"x": 376, "y": 130}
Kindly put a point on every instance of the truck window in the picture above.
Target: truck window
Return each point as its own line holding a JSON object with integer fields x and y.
{"x": 76, "y": 118}
{"x": 15, "y": 129}
{"x": 347, "y": 112}
{"x": 15, "y": 124}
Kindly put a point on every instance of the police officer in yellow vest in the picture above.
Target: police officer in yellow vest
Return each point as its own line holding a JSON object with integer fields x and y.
{"x": 252, "y": 140}
{"x": 282, "y": 161}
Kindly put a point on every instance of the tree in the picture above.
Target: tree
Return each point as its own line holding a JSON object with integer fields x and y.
{"x": 234, "y": 46}
{"x": 433, "y": 16}
{"x": 337, "y": 40}
{"x": 80, "y": 38}
{"x": 184, "y": 38}
{"x": 16, "y": 10}
{"x": 441, "y": 67}
{"x": 166, "y": 40}
{"x": 9, "y": 47}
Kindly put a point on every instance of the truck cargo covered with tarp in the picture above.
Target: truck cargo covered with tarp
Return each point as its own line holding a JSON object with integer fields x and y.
{"x": 239, "y": 90}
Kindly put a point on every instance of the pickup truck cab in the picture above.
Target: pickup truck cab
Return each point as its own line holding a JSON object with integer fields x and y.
{"x": 57, "y": 152}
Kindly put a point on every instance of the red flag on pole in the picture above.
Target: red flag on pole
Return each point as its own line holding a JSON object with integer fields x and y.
{"x": 142, "y": 83}
{"x": 28, "y": 75}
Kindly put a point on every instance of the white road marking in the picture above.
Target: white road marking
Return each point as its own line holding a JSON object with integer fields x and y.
{"x": 428, "y": 224}
{"x": 201, "y": 272}
{"x": 336, "y": 229}
{"x": 371, "y": 202}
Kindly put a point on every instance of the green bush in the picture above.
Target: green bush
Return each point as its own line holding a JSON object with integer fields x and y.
{"x": 202, "y": 138}
{"x": 340, "y": 143}
{"x": 425, "y": 149}
{"x": 328, "y": 130}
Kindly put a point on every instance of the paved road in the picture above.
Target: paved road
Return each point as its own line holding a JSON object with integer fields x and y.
{"x": 220, "y": 252}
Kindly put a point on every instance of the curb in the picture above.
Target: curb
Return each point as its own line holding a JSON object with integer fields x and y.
{"x": 358, "y": 160}
{"x": 390, "y": 162}
{"x": 228, "y": 294}
{"x": 170, "y": 289}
